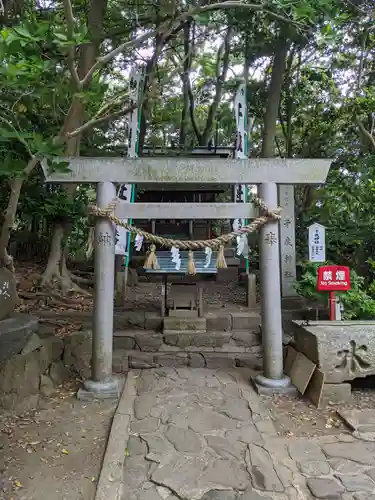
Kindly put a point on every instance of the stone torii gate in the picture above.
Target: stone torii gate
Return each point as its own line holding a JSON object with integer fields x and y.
{"x": 267, "y": 173}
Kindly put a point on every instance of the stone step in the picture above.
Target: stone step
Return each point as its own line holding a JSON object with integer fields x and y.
{"x": 195, "y": 338}
{"x": 134, "y": 360}
{"x": 178, "y": 323}
{"x": 150, "y": 341}
{"x": 229, "y": 252}
{"x": 232, "y": 261}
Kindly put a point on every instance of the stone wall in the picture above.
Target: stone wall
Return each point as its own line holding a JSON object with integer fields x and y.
{"x": 32, "y": 373}
{"x": 135, "y": 350}
{"x": 146, "y": 320}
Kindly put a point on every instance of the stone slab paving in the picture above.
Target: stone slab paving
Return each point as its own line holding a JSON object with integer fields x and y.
{"x": 198, "y": 434}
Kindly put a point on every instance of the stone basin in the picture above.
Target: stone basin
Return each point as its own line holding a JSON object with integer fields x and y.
{"x": 342, "y": 350}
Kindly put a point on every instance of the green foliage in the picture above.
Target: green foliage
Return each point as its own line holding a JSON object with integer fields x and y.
{"x": 359, "y": 302}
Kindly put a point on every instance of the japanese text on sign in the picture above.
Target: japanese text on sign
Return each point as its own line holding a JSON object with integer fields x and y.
{"x": 333, "y": 278}
{"x": 287, "y": 240}
{"x": 317, "y": 243}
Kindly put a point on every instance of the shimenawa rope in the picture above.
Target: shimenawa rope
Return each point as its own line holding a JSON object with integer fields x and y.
{"x": 190, "y": 245}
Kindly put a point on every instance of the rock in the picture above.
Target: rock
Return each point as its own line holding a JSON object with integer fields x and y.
{"x": 343, "y": 351}
{"x": 356, "y": 451}
{"x": 251, "y": 494}
{"x": 196, "y": 360}
{"x": 236, "y": 408}
{"x": 184, "y": 440}
{"x": 179, "y": 473}
{"x": 225, "y": 447}
{"x": 59, "y": 373}
{"x": 176, "y": 359}
{"x": 325, "y": 488}
{"x": 77, "y": 352}
{"x": 125, "y": 342}
{"x": 345, "y": 466}
{"x": 336, "y": 393}
{"x": 136, "y": 446}
{"x": 8, "y": 293}
{"x": 219, "y": 495}
{"x": 207, "y": 420}
{"x": 355, "y": 483}
{"x": 197, "y": 339}
{"x": 47, "y": 388}
{"x": 183, "y": 324}
{"x": 19, "y": 379}
{"x": 225, "y": 473}
{"x": 218, "y": 322}
{"x": 15, "y": 333}
{"x": 50, "y": 351}
{"x": 249, "y": 321}
{"x": 152, "y": 321}
{"x": 135, "y": 472}
{"x": 246, "y": 338}
{"x": 33, "y": 344}
{"x": 146, "y": 425}
{"x": 139, "y": 360}
{"x": 364, "y": 496}
{"x": 359, "y": 420}
{"x": 13, "y": 402}
{"x": 143, "y": 405}
{"x": 158, "y": 447}
{"x": 261, "y": 469}
{"x": 265, "y": 426}
{"x": 304, "y": 450}
{"x": 314, "y": 468}
{"x": 246, "y": 434}
{"x": 148, "y": 341}
{"x": 149, "y": 494}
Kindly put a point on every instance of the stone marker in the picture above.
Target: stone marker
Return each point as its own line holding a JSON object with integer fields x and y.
{"x": 343, "y": 350}
{"x": 301, "y": 372}
{"x": 314, "y": 390}
{"x": 291, "y": 355}
{"x": 8, "y": 293}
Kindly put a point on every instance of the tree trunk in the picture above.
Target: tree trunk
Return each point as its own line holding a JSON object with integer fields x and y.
{"x": 273, "y": 101}
{"x": 10, "y": 214}
{"x": 88, "y": 54}
{"x": 185, "y": 86}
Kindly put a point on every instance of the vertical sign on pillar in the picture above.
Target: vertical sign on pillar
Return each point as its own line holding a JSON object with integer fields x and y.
{"x": 127, "y": 191}
{"x": 287, "y": 240}
{"x": 241, "y": 153}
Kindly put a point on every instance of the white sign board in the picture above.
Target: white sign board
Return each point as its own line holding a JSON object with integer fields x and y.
{"x": 317, "y": 243}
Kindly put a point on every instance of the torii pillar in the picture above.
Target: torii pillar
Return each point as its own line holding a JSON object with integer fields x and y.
{"x": 266, "y": 172}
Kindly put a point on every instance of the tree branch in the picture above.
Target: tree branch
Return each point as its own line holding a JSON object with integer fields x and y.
{"x": 170, "y": 25}
{"x": 70, "y": 23}
{"x": 365, "y": 132}
{"x": 19, "y": 138}
{"x": 224, "y": 53}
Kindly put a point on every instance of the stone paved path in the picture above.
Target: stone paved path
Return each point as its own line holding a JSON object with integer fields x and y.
{"x": 198, "y": 434}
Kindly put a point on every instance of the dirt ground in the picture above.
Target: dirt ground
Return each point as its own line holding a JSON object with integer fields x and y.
{"x": 222, "y": 294}
{"x": 54, "y": 453}
{"x": 296, "y": 416}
